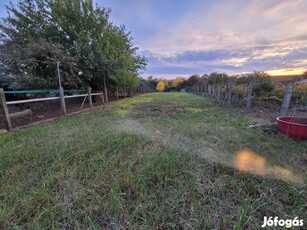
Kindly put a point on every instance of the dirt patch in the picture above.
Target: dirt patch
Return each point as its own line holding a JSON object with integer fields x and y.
{"x": 266, "y": 112}
{"x": 157, "y": 109}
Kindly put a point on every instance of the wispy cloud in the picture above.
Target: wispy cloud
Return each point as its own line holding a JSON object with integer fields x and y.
{"x": 233, "y": 36}
{"x": 232, "y": 61}
{"x": 227, "y": 24}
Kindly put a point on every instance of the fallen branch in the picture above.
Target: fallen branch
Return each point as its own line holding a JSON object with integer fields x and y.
{"x": 265, "y": 128}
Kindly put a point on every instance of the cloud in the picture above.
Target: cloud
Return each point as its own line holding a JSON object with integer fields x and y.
{"x": 233, "y": 36}
{"x": 231, "y": 61}
{"x": 229, "y": 24}
{"x": 206, "y": 36}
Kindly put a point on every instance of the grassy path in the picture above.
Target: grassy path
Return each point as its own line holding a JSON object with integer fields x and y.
{"x": 163, "y": 160}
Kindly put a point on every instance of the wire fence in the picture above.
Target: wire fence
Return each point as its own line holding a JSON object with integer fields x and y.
{"x": 58, "y": 95}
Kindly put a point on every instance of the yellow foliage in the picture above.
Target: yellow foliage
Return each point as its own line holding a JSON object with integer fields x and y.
{"x": 300, "y": 89}
{"x": 161, "y": 85}
{"x": 280, "y": 91}
{"x": 239, "y": 90}
{"x": 177, "y": 81}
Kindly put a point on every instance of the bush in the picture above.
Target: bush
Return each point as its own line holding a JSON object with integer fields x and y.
{"x": 264, "y": 88}
{"x": 279, "y": 91}
{"x": 239, "y": 90}
{"x": 300, "y": 94}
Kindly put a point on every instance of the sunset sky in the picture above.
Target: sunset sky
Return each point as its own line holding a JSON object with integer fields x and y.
{"x": 180, "y": 38}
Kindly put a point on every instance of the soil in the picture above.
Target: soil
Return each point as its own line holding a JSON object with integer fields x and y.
{"x": 267, "y": 112}
{"x": 157, "y": 109}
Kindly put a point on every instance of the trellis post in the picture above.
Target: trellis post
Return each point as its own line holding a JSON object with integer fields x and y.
{"x": 5, "y": 110}
{"x": 89, "y": 92}
{"x": 249, "y": 95}
{"x": 62, "y": 99}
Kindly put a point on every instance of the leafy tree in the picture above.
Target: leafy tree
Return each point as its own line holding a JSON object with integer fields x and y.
{"x": 193, "y": 80}
{"x": 218, "y": 78}
{"x": 90, "y": 48}
{"x": 152, "y": 82}
{"x": 177, "y": 81}
{"x": 161, "y": 86}
{"x": 34, "y": 64}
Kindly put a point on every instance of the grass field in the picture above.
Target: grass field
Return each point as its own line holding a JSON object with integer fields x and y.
{"x": 163, "y": 160}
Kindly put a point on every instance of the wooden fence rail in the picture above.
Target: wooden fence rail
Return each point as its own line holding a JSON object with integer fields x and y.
{"x": 7, "y": 116}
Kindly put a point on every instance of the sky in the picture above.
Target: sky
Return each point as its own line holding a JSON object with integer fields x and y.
{"x": 181, "y": 38}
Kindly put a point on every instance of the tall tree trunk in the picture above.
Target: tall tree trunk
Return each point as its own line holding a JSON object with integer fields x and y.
{"x": 117, "y": 92}
{"x": 287, "y": 99}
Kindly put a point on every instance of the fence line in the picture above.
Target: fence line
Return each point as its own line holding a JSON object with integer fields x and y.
{"x": 241, "y": 94}
{"x": 7, "y": 116}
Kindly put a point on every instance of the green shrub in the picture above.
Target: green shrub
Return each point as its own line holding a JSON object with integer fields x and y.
{"x": 264, "y": 88}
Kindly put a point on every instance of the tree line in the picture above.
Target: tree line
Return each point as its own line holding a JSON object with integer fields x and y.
{"x": 92, "y": 51}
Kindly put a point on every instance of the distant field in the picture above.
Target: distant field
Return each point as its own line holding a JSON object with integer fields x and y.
{"x": 283, "y": 77}
{"x": 162, "y": 160}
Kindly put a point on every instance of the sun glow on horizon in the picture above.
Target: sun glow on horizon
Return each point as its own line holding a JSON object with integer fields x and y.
{"x": 284, "y": 72}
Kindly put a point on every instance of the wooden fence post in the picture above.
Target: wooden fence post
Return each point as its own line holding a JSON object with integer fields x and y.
{"x": 5, "y": 109}
{"x": 234, "y": 98}
{"x": 218, "y": 95}
{"x": 89, "y": 92}
{"x": 287, "y": 99}
{"x": 249, "y": 95}
{"x": 103, "y": 101}
{"x": 245, "y": 93}
{"x": 229, "y": 94}
{"x": 209, "y": 90}
{"x": 62, "y": 99}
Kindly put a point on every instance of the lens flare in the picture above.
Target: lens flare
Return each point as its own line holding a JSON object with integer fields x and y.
{"x": 248, "y": 161}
